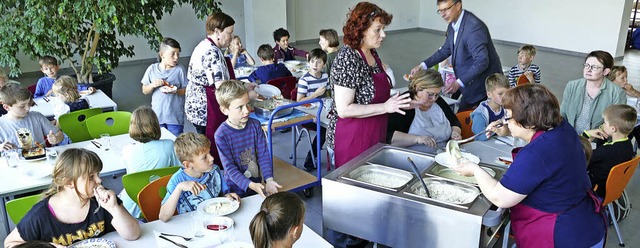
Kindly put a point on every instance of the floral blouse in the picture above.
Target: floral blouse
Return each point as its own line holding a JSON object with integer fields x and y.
{"x": 350, "y": 70}
{"x": 207, "y": 66}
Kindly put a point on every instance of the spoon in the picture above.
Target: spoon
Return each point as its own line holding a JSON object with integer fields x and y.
{"x": 478, "y": 134}
{"x": 415, "y": 170}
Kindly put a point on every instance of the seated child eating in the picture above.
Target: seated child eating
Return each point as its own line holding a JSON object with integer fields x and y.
{"x": 49, "y": 66}
{"x": 269, "y": 70}
{"x": 66, "y": 90}
{"x": 283, "y": 51}
{"x": 619, "y": 120}
{"x": 198, "y": 180}
{"x": 239, "y": 56}
{"x": 524, "y": 67}
{"x": 491, "y": 109}
{"x": 75, "y": 207}
{"x": 242, "y": 144}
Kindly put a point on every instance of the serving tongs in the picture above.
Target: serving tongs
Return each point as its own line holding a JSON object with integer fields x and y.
{"x": 415, "y": 170}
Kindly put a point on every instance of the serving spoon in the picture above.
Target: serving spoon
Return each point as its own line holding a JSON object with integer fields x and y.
{"x": 415, "y": 170}
{"x": 476, "y": 135}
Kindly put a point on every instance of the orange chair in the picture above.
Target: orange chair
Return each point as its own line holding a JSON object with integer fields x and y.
{"x": 150, "y": 198}
{"x": 619, "y": 177}
{"x": 465, "y": 120}
{"x": 522, "y": 79}
{"x": 286, "y": 85}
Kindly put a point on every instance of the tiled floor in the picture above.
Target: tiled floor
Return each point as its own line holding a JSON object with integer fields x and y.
{"x": 402, "y": 51}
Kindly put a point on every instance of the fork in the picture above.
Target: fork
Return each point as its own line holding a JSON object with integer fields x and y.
{"x": 173, "y": 242}
{"x": 175, "y": 235}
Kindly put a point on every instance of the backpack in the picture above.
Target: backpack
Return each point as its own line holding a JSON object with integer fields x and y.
{"x": 621, "y": 207}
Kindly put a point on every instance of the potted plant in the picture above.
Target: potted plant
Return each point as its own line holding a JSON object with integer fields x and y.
{"x": 85, "y": 35}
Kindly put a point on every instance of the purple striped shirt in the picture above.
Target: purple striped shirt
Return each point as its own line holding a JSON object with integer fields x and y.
{"x": 244, "y": 155}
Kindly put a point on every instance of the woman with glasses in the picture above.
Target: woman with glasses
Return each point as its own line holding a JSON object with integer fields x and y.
{"x": 585, "y": 99}
{"x": 431, "y": 123}
{"x": 546, "y": 187}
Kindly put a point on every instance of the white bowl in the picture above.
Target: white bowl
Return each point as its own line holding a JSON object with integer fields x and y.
{"x": 217, "y": 224}
{"x": 292, "y": 62}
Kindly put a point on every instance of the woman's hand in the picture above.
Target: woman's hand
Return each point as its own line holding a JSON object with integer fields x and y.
{"x": 456, "y": 133}
{"x": 497, "y": 127}
{"x": 415, "y": 69}
{"x": 396, "y": 103}
{"x": 466, "y": 168}
{"x": 426, "y": 140}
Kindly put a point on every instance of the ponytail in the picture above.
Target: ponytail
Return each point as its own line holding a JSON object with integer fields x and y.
{"x": 279, "y": 213}
{"x": 259, "y": 230}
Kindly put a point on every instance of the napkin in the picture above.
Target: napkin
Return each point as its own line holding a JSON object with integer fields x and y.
{"x": 208, "y": 240}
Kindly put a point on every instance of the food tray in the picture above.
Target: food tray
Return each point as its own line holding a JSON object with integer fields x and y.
{"x": 441, "y": 171}
{"x": 464, "y": 188}
{"x": 39, "y": 154}
{"x": 356, "y": 175}
{"x": 265, "y": 113}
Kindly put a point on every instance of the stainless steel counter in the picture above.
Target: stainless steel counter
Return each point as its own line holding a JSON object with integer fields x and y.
{"x": 398, "y": 219}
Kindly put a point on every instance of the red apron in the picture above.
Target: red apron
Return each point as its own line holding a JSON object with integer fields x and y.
{"x": 355, "y": 135}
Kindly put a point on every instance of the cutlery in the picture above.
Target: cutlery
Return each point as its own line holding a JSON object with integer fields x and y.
{"x": 173, "y": 242}
{"x": 478, "y": 134}
{"x": 415, "y": 170}
{"x": 46, "y": 99}
{"x": 96, "y": 143}
{"x": 175, "y": 235}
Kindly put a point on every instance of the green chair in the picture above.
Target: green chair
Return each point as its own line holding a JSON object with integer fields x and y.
{"x": 134, "y": 182}
{"x": 17, "y": 208}
{"x": 74, "y": 124}
{"x": 112, "y": 123}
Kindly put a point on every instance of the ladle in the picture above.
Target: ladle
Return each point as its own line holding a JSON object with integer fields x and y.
{"x": 415, "y": 170}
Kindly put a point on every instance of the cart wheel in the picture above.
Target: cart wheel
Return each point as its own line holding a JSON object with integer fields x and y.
{"x": 307, "y": 192}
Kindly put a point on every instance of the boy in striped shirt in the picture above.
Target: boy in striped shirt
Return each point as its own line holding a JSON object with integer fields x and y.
{"x": 524, "y": 67}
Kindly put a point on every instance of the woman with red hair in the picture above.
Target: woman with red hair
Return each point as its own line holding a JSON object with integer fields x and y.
{"x": 358, "y": 119}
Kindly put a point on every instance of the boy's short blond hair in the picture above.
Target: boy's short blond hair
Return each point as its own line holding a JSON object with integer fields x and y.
{"x": 13, "y": 93}
{"x": 188, "y": 145}
{"x": 228, "y": 91}
{"x": 495, "y": 81}
{"x": 529, "y": 49}
{"x": 48, "y": 60}
{"x": 621, "y": 116}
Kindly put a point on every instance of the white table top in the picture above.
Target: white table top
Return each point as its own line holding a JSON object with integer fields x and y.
{"x": 15, "y": 180}
{"x": 180, "y": 224}
{"x": 488, "y": 151}
{"x": 96, "y": 100}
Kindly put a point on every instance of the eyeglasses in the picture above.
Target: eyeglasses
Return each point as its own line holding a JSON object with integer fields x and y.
{"x": 440, "y": 11}
{"x": 592, "y": 67}
{"x": 431, "y": 94}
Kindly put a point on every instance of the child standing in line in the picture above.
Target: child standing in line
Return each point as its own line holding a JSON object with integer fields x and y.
{"x": 242, "y": 144}
{"x": 279, "y": 222}
{"x": 167, "y": 81}
{"x": 198, "y": 180}
{"x": 282, "y": 50}
{"x": 524, "y": 67}
{"x": 239, "y": 56}
{"x": 49, "y": 66}
{"x": 150, "y": 153}
{"x": 618, "y": 76}
{"x": 491, "y": 109}
{"x": 269, "y": 70}
{"x": 76, "y": 206}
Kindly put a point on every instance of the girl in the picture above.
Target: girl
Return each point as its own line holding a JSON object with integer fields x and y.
{"x": 151, "y": 153}
{"x": 76, "y": 207}
{"x": 329, "y": 42}
{"x": 239, "y": 56}
{"x": 66, "y": 90}
{"x": 279, "y": 222}
{"x": 618, "y": 76}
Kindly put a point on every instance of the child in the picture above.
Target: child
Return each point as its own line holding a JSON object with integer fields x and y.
{"x": 167, "y": 81}
{"x": 76, "y": 207}
{"x": 491, "y": 109}
{"x": 619, "y": 120}
{"x": 269, "y": 70}
{"x": 329, "y": 42}
{"x": 4, "y": 80}
{"x": 19, "y": 127}
{"x": 150, "y": 153}
{"x": 283, "y": 51}
{"x": 49, "y": 66}
{"x": 239, "y": 56}
{"x": 198, "y": 180}
{"x": 279, "y": 222}
{"x": 524, "y": 66}
{"x": 242, "y": 145}
{"x": 618, "y": 76}
{"x": 68, "y": 98}
{"x": 310, "y": 86}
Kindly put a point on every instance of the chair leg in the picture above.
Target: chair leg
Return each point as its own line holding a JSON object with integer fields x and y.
{"x": 505, "y": 235}
{"x": 615, "y": 225}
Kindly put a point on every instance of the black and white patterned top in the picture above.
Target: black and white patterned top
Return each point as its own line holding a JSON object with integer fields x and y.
{"x": 207, "y": 66}
{"x": 350, "y": 70}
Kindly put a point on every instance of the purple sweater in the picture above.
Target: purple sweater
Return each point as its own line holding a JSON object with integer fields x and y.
{"x": 244, "y": 155}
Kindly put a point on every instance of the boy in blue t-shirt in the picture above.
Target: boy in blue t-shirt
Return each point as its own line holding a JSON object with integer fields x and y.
{"x": 269, "y": 70}
{"x": 491, "y": 109}
{"x": 49, "y": 66}
{"x": 198, "y": 180}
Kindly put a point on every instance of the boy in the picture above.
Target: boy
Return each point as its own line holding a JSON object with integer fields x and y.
{"x": 524, "y": 66}
{"x": 20, "y": 128}
{"x": 619, "y": 120}
{"x": 269, "y": 70}
{"x": 49, "y": 66}
{"x": 282, "y": 50}
{"x": 167, "y": 81}
{"x": 310, "y": 86}
{"x": 242, "y": 144}
{"x": 198, "y": 179}
{"x": 491, "y": 109}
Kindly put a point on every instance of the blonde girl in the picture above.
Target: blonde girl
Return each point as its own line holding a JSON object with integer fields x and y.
{"x": 65, "y": 88}
{"x": 75, "y": 207}
{"x": 618, "y": 76}
{"x": 239, "y": 56}
{"x": 279, "y": 222}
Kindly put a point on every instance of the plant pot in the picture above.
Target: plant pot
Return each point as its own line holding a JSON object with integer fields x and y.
{"x": 103, "y": 82}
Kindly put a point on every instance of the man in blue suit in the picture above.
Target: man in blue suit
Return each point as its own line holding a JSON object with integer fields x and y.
{"x": 473, "y": 55}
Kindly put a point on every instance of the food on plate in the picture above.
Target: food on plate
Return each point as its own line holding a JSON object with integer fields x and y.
{"x": 307, "y": 105}
{"x": 36, "y": 151}
{"x": 269, "y": 104}
{"x": 217, "y": 227}
{"x": 383, "y": 180}
{"x": 85, "y": 92}
{"x": 447, "y": 193}
{"x": 218, "y": 208}
{"x": 505, "y": 161}
{"x": 454, "y": 152}
{"x": 407, "y": 77}
{"x": 168, "y": 89}
{"x": 451, "y": 174}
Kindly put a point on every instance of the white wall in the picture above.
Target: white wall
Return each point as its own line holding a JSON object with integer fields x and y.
{"x": 262, "y": 17}
{"x": 578, "y": 26}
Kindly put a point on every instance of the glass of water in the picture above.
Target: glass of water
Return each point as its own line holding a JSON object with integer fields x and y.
{"x": 105, "y": 141}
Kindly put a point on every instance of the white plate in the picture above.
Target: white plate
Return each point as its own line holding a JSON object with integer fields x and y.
{"x": 84, "y": 92}
{"x": 234, "y": 205}
{"x": 443, "y": 158}
{"x": 268, "y": 91}
{"x": 236, "y": 245}
{"x": 310, "y": 105}
{"x": 94, "y": 243}
{"x": 292, "y": 62}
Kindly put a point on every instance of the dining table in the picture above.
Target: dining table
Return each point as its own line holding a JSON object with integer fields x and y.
{"x": 45, "y": 105}
{"x": 182, "y": 225}
{"x": 24, "y": 176}
{"x": 490, "y": 150}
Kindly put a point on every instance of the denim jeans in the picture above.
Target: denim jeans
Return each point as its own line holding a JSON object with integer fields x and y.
{"x": 174, "y": 129}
